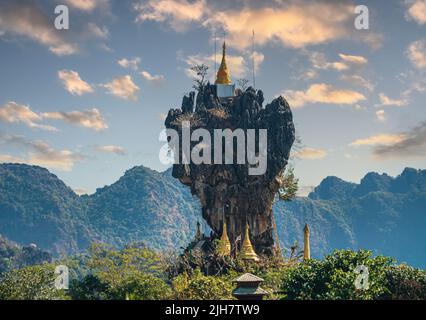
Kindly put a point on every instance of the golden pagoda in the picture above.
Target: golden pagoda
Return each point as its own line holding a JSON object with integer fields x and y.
{"x": 224, "y": 245}
{"x": 247, "y": 252}
{"x": 306, "y": 247}
{"x": 223, "y": 75}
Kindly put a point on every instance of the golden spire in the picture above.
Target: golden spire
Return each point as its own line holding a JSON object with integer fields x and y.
{"x": 224, "y": 246}
{"x": 247, "y": 252}
{"x": 223, "y": 76}
{"x": 306, "y": 248}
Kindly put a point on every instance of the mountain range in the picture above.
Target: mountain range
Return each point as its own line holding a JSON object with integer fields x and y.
{"x": 382, "y": 213}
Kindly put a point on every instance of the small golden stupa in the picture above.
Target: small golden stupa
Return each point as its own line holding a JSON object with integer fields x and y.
{"x": 224, "y": 245}
{"x": 247, "y": 252}
{"x": 223, "y": 75}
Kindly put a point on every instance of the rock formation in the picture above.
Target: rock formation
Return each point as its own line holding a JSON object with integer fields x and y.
{"x": 227, "y": 190}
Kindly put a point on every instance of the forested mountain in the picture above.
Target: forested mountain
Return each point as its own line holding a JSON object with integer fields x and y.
{"x": 382, "y": 213}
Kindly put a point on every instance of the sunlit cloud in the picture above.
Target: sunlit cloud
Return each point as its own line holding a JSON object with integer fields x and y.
{"x": 412, "y": 145}
{"x": 380, "y": 139}
{"x": 381, "y": 115}
{"x": 322, "y": 93}
{"x": 310, "y": 154}
{"x": 386, "y": 101}
{"x": 112, "y": 149}
{"x": 417, "y": 11}
{"x": 178, "y": 13}
{"x": 13, "y": 112}
{"x": 86, "y": 5}
{"x": 25, "y": 18}
{"x": 156, "y": 79}
{"x": 40, "y": 153}
{"x": 358, "y": 80}
{"x": 97, "y": 31}
{"x": 123, "y": 87}
{"x": 130, "y": 63}
{"x": 91, "y": 119}
{"x": 294, "y": 24}
{"x": 346, "y": 62}
{"x": 73, "y": 83}
{"x": 417, "y": 53}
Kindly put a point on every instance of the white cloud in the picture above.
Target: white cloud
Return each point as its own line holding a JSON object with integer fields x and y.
{"x": 178, "y": 13}
{"x": 28, "y": 20}
{"x": 359, "y": 60}
{"x": 112, "y": 149}
{"x": 294, "y": 24}
{"x": 310, "y": 154}
{"x": 130, "y": 63}
{"x": 358, "y": 80}
{"x": 99, "y": 32}
{"x": 386, "y": 101}
{"x": 73, "y": 83}
{"x": 381, "y": 115}
{"x": 86, "y": 5}
{"x": 319, "y": 61}
{"x": 13, "y": 112}
{"x": 380, "y": 139}
{"x": 40, "y": 153}
{"x": 123, "y": 87}
{"x": 417, "y": 53}
{"x": 322, "y": 93}
{"x": 417, "y": 11}
{"x": 156, "y": 79}
{"x": 91, "y": 119}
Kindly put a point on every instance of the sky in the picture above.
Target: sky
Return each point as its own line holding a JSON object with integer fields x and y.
{"x": 88, "y": 103}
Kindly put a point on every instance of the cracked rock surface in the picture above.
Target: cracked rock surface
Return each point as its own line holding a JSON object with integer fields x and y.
{"x": 227, "y": 190}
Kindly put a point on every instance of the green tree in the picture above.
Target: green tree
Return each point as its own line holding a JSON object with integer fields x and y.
{"x": 334, "y": 277}
{"x": 31, "y": 283}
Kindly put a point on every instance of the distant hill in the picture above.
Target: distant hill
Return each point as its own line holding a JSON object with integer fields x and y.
{"x": 14, "y": 256}
{"x": 382, "y": 213}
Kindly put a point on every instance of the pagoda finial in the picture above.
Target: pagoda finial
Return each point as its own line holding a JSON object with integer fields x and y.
{"x": 247, "y": 252}
{"x": 223, "y": 75}
{"x": 224, "y": 245}
{"x": 306, "y": 248}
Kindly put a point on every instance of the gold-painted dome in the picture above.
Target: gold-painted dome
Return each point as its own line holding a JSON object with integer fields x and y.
{"x": 223, "y": 75}
{"x": 247, "y": 252}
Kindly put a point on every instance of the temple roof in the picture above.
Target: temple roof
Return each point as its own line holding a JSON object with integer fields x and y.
{"x": 249, "y": 291}
{"x": 248, "y": 277}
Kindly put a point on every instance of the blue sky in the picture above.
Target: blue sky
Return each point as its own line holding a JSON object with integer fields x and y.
{"x": 89, "y": 102}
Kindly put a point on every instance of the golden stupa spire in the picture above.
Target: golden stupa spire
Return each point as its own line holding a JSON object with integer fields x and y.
{"x": 223, "y": 75}
{"x": 247, "y": 252}
{"x": 306, "y": 248}
{"x": 224, "y": 245}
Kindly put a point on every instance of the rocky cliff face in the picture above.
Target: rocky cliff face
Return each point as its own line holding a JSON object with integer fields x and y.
{"x": 228, "y": 190}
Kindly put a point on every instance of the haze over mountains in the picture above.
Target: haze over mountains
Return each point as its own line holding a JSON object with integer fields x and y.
{"x": 382, "y": 213}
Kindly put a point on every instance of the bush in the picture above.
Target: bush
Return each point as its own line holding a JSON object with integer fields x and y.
{"x": 334, "y": 277}
{"x": 201, "y": 287}
{"x": 30, "y": 283}
{"x": 405, "y": 283}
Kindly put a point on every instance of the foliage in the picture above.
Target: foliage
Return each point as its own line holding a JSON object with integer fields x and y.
{"x": 334, "y": 277}
{"x": 405, "y": 283}
{"x": 30, "y": 283}
{"x": 201, "y": 72}
{"x": 200, "y": 287}
{"x": 243, "y": 83}
{"x": 134, "y": 270}
{"x": 289, "y": 185}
